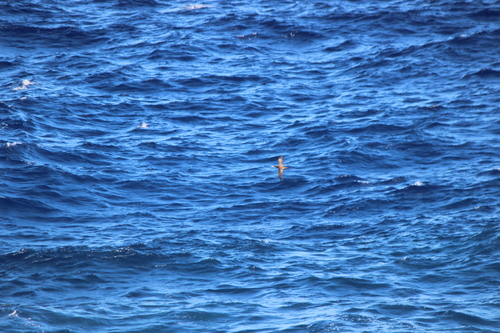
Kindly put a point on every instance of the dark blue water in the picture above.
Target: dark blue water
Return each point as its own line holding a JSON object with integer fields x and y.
{"x": 137, "y": 139}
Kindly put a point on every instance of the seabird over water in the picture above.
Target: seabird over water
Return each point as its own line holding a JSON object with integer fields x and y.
{"x": 280, "y": 167}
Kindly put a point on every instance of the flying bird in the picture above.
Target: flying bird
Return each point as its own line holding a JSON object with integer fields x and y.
{"x": 280, "y": 167}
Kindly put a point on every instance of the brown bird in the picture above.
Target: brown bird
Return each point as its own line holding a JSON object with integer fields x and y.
{"x": 280, "y": 167}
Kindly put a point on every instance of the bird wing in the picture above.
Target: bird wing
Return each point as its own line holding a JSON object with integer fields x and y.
{"x": 280, "y": 174}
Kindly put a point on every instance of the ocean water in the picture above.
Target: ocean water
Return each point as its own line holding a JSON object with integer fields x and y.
{"x": 137, "y": 139}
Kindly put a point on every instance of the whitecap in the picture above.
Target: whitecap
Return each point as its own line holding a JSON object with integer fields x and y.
{"x": 24, "y": 85}
{"x": 193, "y": 7}
{"x": 12, "y": 144}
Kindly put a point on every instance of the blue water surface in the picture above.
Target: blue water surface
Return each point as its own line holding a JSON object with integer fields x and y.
{"x": 137, "y": 144}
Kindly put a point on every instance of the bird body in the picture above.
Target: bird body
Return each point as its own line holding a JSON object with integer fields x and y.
{"x": 280, "y": 167}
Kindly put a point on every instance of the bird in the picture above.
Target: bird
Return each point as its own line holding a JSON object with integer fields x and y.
{"x": 280, "y": 167}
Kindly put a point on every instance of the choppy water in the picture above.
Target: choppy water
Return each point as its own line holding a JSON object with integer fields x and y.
{"x": 137, "y": 141}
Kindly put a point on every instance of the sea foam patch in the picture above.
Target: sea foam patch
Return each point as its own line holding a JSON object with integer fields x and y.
{"x": 24, "y": 85}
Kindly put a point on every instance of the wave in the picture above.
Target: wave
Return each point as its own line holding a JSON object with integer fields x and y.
{"x": 25, "y": 207}
{"x": 485, "y": 73}
{"x": 58, "y": 36}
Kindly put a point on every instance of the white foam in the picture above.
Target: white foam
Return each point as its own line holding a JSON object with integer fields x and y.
{"x": 193, "y": 7}
{"x": 12, "y": 144}
{"x": 24, "y": 85}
